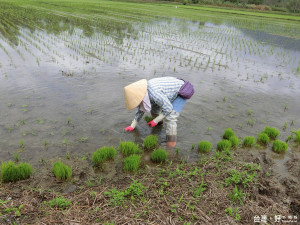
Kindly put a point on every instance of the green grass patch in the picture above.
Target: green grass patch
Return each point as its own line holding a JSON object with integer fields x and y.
{"x": 132, "y": 163}
{"x": 204, "y": 146}
{"x": 234, "y": 141}
{"x": 150, "y": 142}
{"x": 223, "y": 144}
{"x": 272, "y": 132}
{"x": 200, "y": 189}
{"x": 62, "y": 171}
{"x": 103, "y": 154}
{"x": 159, "y": 155}
{"x": 236, "y": 177}
{"x": 11, "y": 172}
{"x": 228, "y": 133}
{"x": 279, "y": 146}
{"x": 263, "y": 139}
{"x": 237, "y": 195}
{"x": 248, "y": 141}
{"x": 58, "y": 202}
{"x": 128, "y": 148}
{"x": 269, "y": 15}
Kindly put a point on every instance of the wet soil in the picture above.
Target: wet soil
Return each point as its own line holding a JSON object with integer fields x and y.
{"x": 170, "y": 195}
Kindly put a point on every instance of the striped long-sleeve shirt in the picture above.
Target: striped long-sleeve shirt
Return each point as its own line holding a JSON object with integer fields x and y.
{"x": 162, "y": 91}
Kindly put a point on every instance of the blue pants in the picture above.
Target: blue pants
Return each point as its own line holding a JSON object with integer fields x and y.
{"x": 178, "y": 104}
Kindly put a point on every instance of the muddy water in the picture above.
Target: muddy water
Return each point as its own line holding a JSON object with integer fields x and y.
{"x": 62, "y": 91}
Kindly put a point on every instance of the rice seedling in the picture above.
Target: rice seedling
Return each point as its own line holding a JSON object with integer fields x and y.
{"x": 223, "y": 145}
{"x": 103, "y": 154}
{"x": 68, "y": 155}
{"x": 61, "y": 171}
{"x": 83, "y": 139}
{"x": 39, "y": 121}
{"x": 159, "y": 155}
{"x": 22, "y": 144}
{"x": 148, "y": 118}
{"x": 129, "y": 148}
{"x": 193, "y": 146}
{"x": 65, "y": 141}
{"x": 150, "y": 142}
{"x": 11, "y": 172}
{"x": 250, "y": 122}
{"x": 204, "y": 146}
{"x": 132, "y": 163}
{"x": 16, "y": 157}
{"x": 250, "y": 112}
{"x": 297, "y": 139}
{"x": 284, "y": 126}
{"x": 228, "y": 133}
{"x": 272, "y": 132}
{"x": 279, "y": 146}
{"x": 234, "y": 141}
{"x": 263, "y": 139}
{"x": 292, "y": 123}
{"x": 248, "y": 141}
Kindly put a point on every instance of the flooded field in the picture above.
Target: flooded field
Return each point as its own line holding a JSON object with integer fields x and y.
{"x": 63, "y": 66}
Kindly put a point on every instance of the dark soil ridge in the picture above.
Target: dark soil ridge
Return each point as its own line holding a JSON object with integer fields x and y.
{"x": 169, "y": 197}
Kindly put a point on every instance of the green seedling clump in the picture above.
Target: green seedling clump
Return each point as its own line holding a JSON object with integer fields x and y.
{"x": 62, "y": 171}
{"x": 103, "y": 154}
{"x": 204, "y": 146}
{"x": 148, "y": 118}
{"x": 159, "y": 155}
{"x": 263, "y": 139}
{"x": 224, "y": 144}
{"x": 150, "y": 142}
{"x": 128, "y": 148}
{"x": 297, "y": 136}
{"x": 11, "y": 172}
{"x": 234, "y": 141}
{"x": 279, "y": 146}
{"x": 272, "y": 132}
{"x": 228, "y": 133}
{"x": 132, "y": 163}
{"x": 248, "y": 141}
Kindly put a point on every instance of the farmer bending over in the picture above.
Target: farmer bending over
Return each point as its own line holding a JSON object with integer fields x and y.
{"x": 164, "y": 97}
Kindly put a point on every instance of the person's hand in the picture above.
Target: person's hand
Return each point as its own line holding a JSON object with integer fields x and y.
{"x": 129, "y": 128}
{"x": 151, "y": 124}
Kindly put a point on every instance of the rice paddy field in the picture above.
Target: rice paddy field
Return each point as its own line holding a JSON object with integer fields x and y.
{"x": 63, "y": 66}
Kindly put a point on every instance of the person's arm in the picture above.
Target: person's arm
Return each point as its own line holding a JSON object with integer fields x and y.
{"x": 164, "y": 103}
{"x": 138, "y": 116}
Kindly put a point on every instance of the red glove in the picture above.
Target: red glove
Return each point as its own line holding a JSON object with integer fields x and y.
{"x": 151, "y": 124}
{"x": 129, "y": 128}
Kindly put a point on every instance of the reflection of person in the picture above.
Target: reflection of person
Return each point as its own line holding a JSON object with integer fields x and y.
{"x": 160, "y": 97}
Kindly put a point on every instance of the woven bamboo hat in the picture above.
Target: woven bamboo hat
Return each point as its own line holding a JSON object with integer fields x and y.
{"x": 134, "y": 93}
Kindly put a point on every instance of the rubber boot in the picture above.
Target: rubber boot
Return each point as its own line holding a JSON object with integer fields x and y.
{"x": 171, "y": 141}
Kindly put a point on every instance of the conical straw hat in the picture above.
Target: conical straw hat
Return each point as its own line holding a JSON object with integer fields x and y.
{"x": 134, "y": 93}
